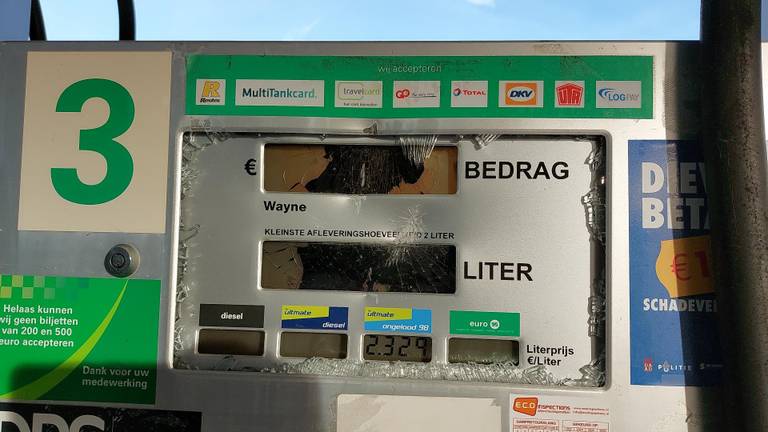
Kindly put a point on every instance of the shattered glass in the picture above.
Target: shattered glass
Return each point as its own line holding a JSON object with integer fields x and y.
{"x": 412, "y": 166}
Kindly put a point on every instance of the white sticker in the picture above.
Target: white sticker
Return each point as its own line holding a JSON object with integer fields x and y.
{"x": 557, "y": 414}
{"x": 469, "y": 94}
{"x": 373, "y": 413}
{"x": 358, "y": 94}
{"x": 307, "y": 93}
{"x": 95, "y": 142}
{"x": 416, "y": 94}
{"x": 618, "y": 94}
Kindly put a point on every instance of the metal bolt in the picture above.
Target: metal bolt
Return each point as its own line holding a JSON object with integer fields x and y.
{"x": 122, "y": 260}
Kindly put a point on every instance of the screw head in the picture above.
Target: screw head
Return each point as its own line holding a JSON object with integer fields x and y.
{"x": 122, "y": 260}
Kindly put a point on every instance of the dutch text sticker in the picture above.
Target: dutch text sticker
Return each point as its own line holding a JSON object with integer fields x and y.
{"x": 95, "y": 143}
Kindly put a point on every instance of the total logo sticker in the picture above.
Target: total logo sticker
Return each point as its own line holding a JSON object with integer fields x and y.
{"x": 521, "y": 94}
{"x": 469, "y": 94}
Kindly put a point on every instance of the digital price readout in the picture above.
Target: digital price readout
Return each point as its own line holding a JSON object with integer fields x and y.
{"x": 385, "y": 347}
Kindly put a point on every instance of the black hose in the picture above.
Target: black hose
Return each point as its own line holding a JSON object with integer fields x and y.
{"x": 36, "y": 23}
{"x": 734, "y": 142}
{"x": 127, "y": 17}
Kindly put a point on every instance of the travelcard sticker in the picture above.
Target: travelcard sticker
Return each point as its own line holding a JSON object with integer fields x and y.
{"x": 402, "y": 320}
{"x": 315, "y": 317}
{"x": 673, "y": 332}
{"x": 358, "y": 94}
{"x": 531, "y": 413}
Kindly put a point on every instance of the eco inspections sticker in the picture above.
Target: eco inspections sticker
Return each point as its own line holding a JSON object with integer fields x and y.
{"x": 78, "y": 339}
{"x": 315, "y": 317}
{"x": 402, "y": 320}
{"x": 485, "y": 323}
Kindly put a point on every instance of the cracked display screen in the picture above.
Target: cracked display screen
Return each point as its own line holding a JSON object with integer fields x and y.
{"x": 360, "y": 169}
{"x": 359, "y": 267}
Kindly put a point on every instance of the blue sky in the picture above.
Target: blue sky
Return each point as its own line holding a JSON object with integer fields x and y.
{"x": 379, "y": 20}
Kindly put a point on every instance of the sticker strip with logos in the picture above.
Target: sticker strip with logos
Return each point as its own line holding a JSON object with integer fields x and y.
{"x": 422, "y": 87}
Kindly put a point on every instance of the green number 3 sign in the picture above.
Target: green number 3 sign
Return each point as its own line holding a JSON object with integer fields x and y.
{"x": 101, "y": 140}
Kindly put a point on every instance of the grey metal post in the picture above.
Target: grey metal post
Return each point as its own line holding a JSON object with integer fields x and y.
{"x": 734, "y": 141}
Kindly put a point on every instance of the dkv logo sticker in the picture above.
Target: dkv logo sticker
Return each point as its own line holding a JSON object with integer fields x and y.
{"x": 526, "y": 405}
{"x": 521, "y": 94}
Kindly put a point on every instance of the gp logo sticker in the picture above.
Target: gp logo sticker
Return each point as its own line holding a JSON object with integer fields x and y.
{"x": 95, "y": 142}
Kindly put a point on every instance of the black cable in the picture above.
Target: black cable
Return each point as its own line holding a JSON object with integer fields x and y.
{"x": 36, "y": 23}
{"x": 127, "y": 18}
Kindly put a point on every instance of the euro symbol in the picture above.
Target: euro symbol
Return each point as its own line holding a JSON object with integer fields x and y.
{"x": 680, "y": 268}
{"x": 250, "y": 166}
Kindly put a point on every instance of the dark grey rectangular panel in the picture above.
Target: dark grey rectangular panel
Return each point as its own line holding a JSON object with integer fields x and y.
{"x": 224, "y": 315}
{"x": 234, "y": 342}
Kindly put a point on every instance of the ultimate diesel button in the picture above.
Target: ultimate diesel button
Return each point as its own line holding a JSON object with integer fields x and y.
{"x": 223, "y": 315}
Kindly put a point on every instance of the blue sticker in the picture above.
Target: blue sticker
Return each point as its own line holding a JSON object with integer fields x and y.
{"x": 673, "y": 329}
{"x": 399, "y": 320}
{"x": 315, "y": 317}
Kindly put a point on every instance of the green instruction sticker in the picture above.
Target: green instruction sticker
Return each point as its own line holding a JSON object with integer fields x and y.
{"x": 485, "y": 323}
{"x": 421, "y": 86}
{"x": 78, "y": 339}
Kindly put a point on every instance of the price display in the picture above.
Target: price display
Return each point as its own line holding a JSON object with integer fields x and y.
{"x": 397, "y": 348}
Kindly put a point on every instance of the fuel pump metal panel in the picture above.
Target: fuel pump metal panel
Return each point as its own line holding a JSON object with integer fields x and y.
{"x": 250, "y": 401}
{"x": 500, "y": 215}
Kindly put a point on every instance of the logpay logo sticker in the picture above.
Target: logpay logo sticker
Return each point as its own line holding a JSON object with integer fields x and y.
{"x": 618, "y": 94}
{"x": 210, "y": 91}
{"x": 526, "y": 405}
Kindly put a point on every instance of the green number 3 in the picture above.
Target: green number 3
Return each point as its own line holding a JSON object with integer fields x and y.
{"x": 101, "y": 140}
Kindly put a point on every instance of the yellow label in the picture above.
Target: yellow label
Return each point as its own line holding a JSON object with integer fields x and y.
{"x": 387, "y": 314}
{"x": 683, "y": 266}
{"x": 293, "y": 312}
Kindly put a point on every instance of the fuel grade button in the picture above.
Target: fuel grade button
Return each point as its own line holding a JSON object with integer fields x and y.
{"x": 224, "y": 315}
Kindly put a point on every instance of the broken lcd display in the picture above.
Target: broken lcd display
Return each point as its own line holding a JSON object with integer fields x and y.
{"x": 359, "y": 169}
{"x": 483, "y": 351}
{"x": 359, "y": 267}
{"x": 308, "y": 345}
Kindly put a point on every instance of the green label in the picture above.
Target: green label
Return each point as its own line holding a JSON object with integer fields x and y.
{"x": 78, "y": 339}
{"x": 421, "y": 87}
{"x": 485, "y": 323}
